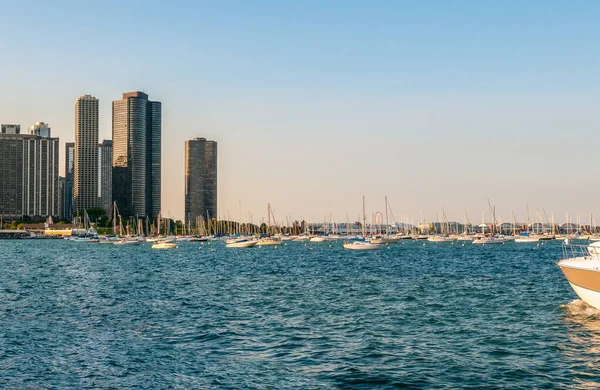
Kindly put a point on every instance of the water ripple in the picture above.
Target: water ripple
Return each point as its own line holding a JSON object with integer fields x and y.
{"x": 299, "y": 316}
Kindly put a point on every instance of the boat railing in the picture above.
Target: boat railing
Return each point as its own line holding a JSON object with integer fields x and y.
{"x": 570, "y": 251}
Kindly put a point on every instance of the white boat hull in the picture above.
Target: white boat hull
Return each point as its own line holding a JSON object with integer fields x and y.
{"x": 385, "y": 240}
{"x": 267, "y": 242}
{"x": 164, "y": 245}
{"x": 528, "y": 239}
{"x": 484, "y": 241}
{"x": 583, "y": 274}
{"x": 243, "y": 244}
{"x": 361, "y": 246}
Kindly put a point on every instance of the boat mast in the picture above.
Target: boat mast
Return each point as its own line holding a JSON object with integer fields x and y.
{"x": 387, "y": 224}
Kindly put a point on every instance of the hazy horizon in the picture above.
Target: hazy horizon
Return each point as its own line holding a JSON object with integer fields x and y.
{"x": 313, "y": 105}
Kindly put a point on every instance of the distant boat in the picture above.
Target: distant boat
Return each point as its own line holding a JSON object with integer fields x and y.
{"x": 269, "y": 241}
{"x": 361, "y": 245}
{"x": 318, "y": 239}
{"x": 489, "y": 241}
{"x": 241, "y": 243}
{"x": 440, "y": 239}
{"x": 525, "y": 239}
{"x": 164, "y": 245}
{"x": 126, "y": 241}
{"x": 384, "y": 240}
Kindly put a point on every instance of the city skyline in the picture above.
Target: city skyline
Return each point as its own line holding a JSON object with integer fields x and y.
{"x": 421, "y": 103}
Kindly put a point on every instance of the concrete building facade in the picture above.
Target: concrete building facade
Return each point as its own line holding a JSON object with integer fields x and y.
{"x": 106, "y": 175}
{"x": 67, "y": 201}
{"x": 200, "y": 180}
{"x": 85, "y": 184}
{"x": 29, "y": 176}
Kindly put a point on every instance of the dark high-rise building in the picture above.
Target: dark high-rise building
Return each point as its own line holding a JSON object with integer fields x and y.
{"x": 61, "y": 195}
{"x": 106, "y": 174}
{"x": 200, "y": 179}
{"x": 11, "y": 175}
{"x": 136, "y": 136}
{"x": 67, "y": 209}
{"x": 85, "y": 186}
{"x": 29, "y": 175}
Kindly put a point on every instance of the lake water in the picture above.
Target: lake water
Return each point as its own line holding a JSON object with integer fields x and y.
{"x": 313, "y": 316}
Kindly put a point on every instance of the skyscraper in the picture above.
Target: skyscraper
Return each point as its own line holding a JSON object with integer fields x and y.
{"x": 136, "y": 133}
{"x": 85, "y": 186}
{"x": 106, "y": 175}
{"x": 40, "y": 174}
{"x": 29, "y": 175}
{"x": 67, "y": 209}
{"x": 200, "y": 179}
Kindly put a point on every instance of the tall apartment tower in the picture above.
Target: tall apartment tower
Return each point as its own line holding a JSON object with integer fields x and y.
{"x": 29, "y": 175}
{"x": 67, "y": 198}
{"x": 106, "y": 174}
{"x": 136, "y": 136}
{"x": 85, "y": 185}
{"x": 200, "y": 179}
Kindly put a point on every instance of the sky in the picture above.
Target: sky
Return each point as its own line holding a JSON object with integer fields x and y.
{"x": 438, "y": 105}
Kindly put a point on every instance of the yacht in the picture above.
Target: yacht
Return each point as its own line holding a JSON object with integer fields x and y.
{"x": 241, "y": 243}
{"x": 440, "y": 239}
{"x": 581, "y": 267}
{"x": 269, "y": 241}
{"x": 164, "y": 245}
{"x": 489, "y": 241}
{"x": 361, "y": 245}
{"x": 384, "y": 239}
{"x": 523, "y": 239}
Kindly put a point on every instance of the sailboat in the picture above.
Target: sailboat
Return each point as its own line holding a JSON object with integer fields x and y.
{"x": 387, "y": 238}
{"x": 269, "y": 240}
{"x": 527, "y": 237}
{"x": 362, "y": 245}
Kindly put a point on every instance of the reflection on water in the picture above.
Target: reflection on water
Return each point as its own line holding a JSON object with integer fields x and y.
{"x": 583, "y": 350}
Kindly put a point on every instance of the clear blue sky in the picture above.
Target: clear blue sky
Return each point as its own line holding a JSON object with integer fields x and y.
{"x": 316, "y": 103}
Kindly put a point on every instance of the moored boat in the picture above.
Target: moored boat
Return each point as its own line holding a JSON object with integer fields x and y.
{"x": 164, "y": 245}
{"x": 241, "y": 243}
{"x": 361, "y": 245}
{"x": 489, "y": 241}
{"x": 581, "y": 267}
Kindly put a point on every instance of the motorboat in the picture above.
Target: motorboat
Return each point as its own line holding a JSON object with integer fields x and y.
{"x": 420, "y": 237}
{"x": 269, "y": 241}
{"x": 465, "y": 237}
{"x": 127, "y": 241}
{"x": 384, "y": 239}
{"x": 302, "y": 237}
{"x": 361, "y": 245}
{"x": 241, "y": 243}
{"x": 489, "y": 241}
{"x": 524, "y": 239}
{"x": 581, "y": 267}
{"x": 201, "y": 239}
{"x": 318, "y": 239}
{"x": 164, "y": 245}
{"x": 440, "y": 239}
{"x": 85, "y": 239}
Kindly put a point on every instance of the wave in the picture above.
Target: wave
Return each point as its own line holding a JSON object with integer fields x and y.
{"x": 578, "y": 308}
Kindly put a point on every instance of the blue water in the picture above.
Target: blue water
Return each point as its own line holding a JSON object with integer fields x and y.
{"x": 439, "y": 315}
